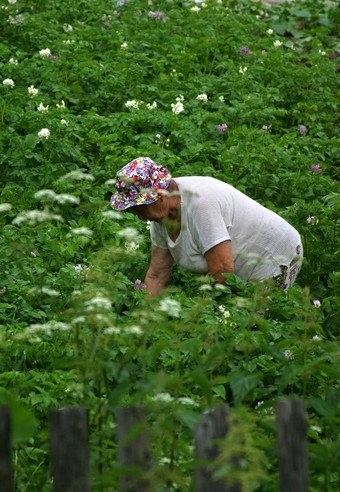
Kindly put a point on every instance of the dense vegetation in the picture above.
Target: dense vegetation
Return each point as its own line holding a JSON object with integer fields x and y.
{"x": 86, "y": 87}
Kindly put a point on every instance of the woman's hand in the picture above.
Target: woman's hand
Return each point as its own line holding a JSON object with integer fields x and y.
{"x": 220, "y": 260}
{"x": 160, "y": 271}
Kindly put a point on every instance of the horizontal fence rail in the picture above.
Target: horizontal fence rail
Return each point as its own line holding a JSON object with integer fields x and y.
{"x": 68, "y": 430}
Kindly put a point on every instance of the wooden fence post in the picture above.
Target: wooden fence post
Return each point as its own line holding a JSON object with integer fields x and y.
{"x": 292, "y": 444}
{"x": 69, "y": 449}
{"x": 214, "y": 425}
{"x": 6, "y": 474}
{"x": 133, "y": 446}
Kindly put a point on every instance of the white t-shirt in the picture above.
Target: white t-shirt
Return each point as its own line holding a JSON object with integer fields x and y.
{"x": 213, "y": 211}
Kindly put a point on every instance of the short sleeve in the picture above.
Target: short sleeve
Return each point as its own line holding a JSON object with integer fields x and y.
{"x": 209, "y": 226}
{"x": 158, "y": 235}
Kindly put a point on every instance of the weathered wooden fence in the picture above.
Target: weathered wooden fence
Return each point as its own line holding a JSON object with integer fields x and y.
{"x": 68, "y": 429}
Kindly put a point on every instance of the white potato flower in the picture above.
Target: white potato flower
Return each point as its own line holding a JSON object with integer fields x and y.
{"x": 202, "y": 97}
{"x": 61, "y": 106}
{"x": 9, "y": 82}
{"x": 277, "y": 43}
{"x": 42, "y": 108}
{"x": 44, "y": 133}
{"x": 177, "y": 108}
{"x": 12, "y": 61}
{"x": 270, "y": 31}
{"x": 44, "y": 53}
{"x": 152, "y": 106}
{"x": 64, "y": 122}
{"x": 124, "y": 46}
{"x": 32, "y": 91}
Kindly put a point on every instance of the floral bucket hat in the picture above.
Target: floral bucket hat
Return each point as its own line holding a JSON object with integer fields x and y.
{"x": 138, "y": 183}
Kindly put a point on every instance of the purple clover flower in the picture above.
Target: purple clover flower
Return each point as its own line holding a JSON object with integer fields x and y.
{"x": 137, "y": 285}
{"x": 316, "y": 168}
{"x": 222, "y": 128}
{"x": 245, "y": 51}
{"x": 54, "y": 57}
{"x": 302, "y": 129}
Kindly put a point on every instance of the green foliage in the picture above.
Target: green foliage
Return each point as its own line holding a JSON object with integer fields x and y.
{"x": 74, "y": 331}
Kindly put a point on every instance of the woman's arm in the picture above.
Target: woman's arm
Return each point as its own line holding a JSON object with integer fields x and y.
{"x": 220, "y": 260}
{"x": 160, "y": 270}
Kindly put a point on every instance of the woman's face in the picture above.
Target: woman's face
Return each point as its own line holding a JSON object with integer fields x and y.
{"x": 154, "y": 211}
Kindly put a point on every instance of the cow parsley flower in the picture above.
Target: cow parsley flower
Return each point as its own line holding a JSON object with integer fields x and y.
{"x": 202, "y": 97}
{"x": 277, "y": 43}
{"x": 78, "y": 176}
{"x": 44, "y": 133}
{"x": 111, "y": 330}
{"x": 45, "y": 53}
{"x": 81, "y": 231}
{"x": 42, "y": 108}
{"x": 33, "y": 217}
{"x": 129, "y": 233}
{"x": 170, "y": 306}
{"x": 134, "y": 330}
{"x": 9, "y": 82}
{"x": 163, "y": 397}
{"x": 99, "y": 301}
{"x": 5, "y": 206}
{"x": 32, "y": 91}
{"x": 187, "y": 401}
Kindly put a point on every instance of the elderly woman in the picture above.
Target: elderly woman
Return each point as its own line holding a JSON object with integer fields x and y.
{"x": 206, "y": 226}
